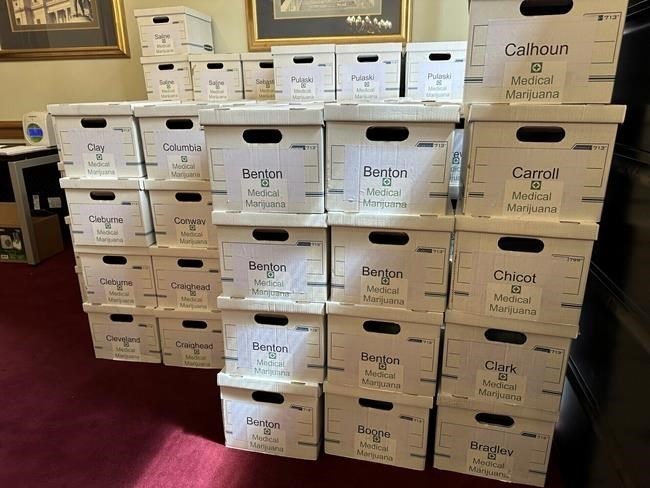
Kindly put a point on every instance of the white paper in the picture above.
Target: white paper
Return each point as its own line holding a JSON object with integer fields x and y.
{"x": 362, "y": 81}
{"x": 183, "y": 152}
{"x": 98, "y": 150}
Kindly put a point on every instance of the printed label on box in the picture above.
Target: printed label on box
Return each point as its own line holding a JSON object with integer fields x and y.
{"x": 184, "y": 154}
{"x": 119, "y": 292}
{"x": 269, "y": 352}
{"x": 533, "y": 198}
{"x": 513, "y": 301}
{"x": 528, "y": 60}
{"x": 491, "y": 460}
{"x": 126, "y": 346}
{"x": 385, "y": 177}
{"x": 500, "y": 386}
{"x": 98, "y": 151}
{"x": 305, "y": 83}
{"x": 373, "y": 445}
{"x": 380, "y": 371}
{"x": 265, "y": 85}
{"x": 265, "y": 439}
{"x": 265, "y": 179}
{"x": 191, "y": 227}
{"x": 262, "y": 428}
{"x": 383, "y": 276}
{"x": 195, "y": 350}
{"x": 441, "y": 80}
{"x": 169, "y": 87}
{"x": 362, "y": 82}
{"x": 269, "y": 271}
{"x": 191, "y": 296}
{"x": 216, "y": 84}
{"x": 164, "y": 40}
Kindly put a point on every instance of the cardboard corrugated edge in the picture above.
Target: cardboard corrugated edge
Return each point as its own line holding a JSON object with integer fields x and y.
{"x": 405, "y": 110}
{"x": 530, "y": 228}
{"x": 96, "y": 108}
{"x": 269, "y": 220}
{"x": 303, "y": 49}
{"x": 177, "y": 185}
{"x": 164, "y": 313}
{"x": 385, "y": 313}
{"x": 598, "y": 114}
{"x": 169, "y": 59}
{"x": 228, "y": 380}
{"x": 271, "y": 306}
{"x": 369, "y": 48}
{"x": 433, "y": 223}
{"x": 445, "y": 400}
{"x": 102, "y": 184}
{"x": 264, "y": 114}
{"x": 445, "y": 46}
{"x": 214, "y": 57}
{"x": 117, "y": 309}
{"x": 382, "y": 396}
{"x": 174, "y": 109}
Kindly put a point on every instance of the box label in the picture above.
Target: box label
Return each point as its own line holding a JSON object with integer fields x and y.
{"x": 500, "y": 386}
{"x": 126, "y": 343}
{"x": 372, "y": 445}
{"x": 383, "y": 276}
{"x": 185, "y": 154}
{"x": 264, "y": 84}
{"x": 191, "y": 224}
{"x": 513, "y": 301}
{"x": 263, "y": 427}
{"x": 118, "y": 291}
{"x": 381, "y": 371}
{"x": 264, "y": 439}
{"x": 98, "y": 150}
{"x": 170, "y": 84}
{"x": 270, "y": 351}
{"x": 216, "y": 84}
{"x": 193, "y": 350}
{"x": 192, "y": 295}
{"x": 490, "y": 460}
{"x": 533, "y": 198}
{"x": 390, "y": 179}
{"x": 164, "y": 41}
{"x": 441, "y": 80}
{"x": 305, "y": 83}
{"x": 266, "y": 179}
{"x": 533, "y": 60}
{"x": 270, "y": 271}
{"x": 362, "y": 81}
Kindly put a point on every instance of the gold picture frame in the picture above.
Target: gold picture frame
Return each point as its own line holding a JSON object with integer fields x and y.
{"x": 103, "y": 37}
{"x": 257, "y": 13}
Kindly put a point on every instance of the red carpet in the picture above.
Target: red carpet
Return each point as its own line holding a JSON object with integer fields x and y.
{"x": 69, "y": 420}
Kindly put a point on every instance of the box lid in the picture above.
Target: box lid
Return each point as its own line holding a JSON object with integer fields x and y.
{"x": 405, "y": 110}
{"x": 288, "y": 387}
{"x": 261, "y": 56}
{"x": 177, "y": 185}
{"x": 264, "y": 114}
{"x": 166, "y": 313}
{"x": 382, "y": 396}
{"x": 521, "y": 227}
{"x": 303, "y": 49}
{"x": 269, "y": 220}
{"x": 158, "y": 11}
{"x": 112, "y": 250}
{"x": 117, "y": 309}
{"x": 436, "y": 47}
{"x": 371, "y": 47}
{"x": 183, "y": 252}
{"x": 602, "y": 114}
{"x": 100, "y": 108}
{"x": 214, "y": 57}
{"x": 173, "y": 58}
{"x": 485, "y": 322}
{"x": 434, "y": 223}
{"x": 271, "y": 306}
{"x": 385, "y": 313}
{"x": 516, "y": 411}
{"x": 174, "y": 109}
{"x": 102, "y": 184}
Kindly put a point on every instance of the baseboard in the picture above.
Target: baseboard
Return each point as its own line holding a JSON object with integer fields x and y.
{"x": 11, "y": 129}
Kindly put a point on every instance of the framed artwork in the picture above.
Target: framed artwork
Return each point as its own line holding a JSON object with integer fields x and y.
{"x": 62, "y": 29}
{"x": 274, "y": 22}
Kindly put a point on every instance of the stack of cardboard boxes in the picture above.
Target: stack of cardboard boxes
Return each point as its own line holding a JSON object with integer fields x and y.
{"x": 533, "y": 193}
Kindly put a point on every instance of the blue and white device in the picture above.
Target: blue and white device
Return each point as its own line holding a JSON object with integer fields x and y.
{"x": 38, "y": 129}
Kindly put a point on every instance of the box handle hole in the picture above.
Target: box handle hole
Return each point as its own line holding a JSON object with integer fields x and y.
{"x": 376, "y": 404}
{"x": 270, "y": 235}
{"x": 121, "y": 317}
{"x": 162, "y": 19}
{"x": 94, "y": 123}
{"x": 530, "y": 8}
{"x": 540, "y": 134}
{"x": 102, "y": 195}
{"x": 188, "y": 197}
{"x": 379, "y": 327}
{"x": 262, "y": 136}
{"x": 507, "y": 336}
{"x": 266, "y": 64}
{"x": 268, "y": 397}
{"x": 194, "y": 324}
{"x": 386, "y": 238}
{"x": 387, "y": 134}
{"x": 271, "y": 319}
{"x": 179, "y": 124}
{"x": 190, "y": 263}
{"x": 215, "y": 65}
{"x": 494, "y": 419}
{"x": 303, "y": 59}
{"x": 165, "y": 66}
{"x": 521, "y": 244}
{"x": 115, "y": 260}
{"x": 439, "y": 56}
{"x": 367, "y": 58}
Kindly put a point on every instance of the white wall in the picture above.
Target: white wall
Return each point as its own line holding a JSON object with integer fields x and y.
{"x": 31, "y": 85}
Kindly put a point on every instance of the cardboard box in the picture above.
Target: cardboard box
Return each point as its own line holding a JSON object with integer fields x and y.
{"x": 272, "y": 417}
{"x": 540, "y": 162}
{"x": 564, "y": 52}
{"x": 191, "y": 339}
{"x": 188, "y": 280}
{"x": 377, "y": 426}
{"x": 259, "y": 79}
{"x": 103, "y": 214}
{"x": 390, "y": 261}
{"x": 380, "y": 348}
{"x": 168, "y": 78}
{"x": 502, "y": 361}
{"x": 124, "y": 333}
{"x": 119, "y": 279}
{"x": 173, "y": 141}
{"x": 47, "y": 235}
{"x": 182, "y": 213}
{"x": 435, "y": 70}
{"x": 389, "y": 158}
{"x": 522, "y": 270}
{"x": 217, "y": 77}
{"x": 266, "y": 158}
{"x": 279, "y": 256}
{"x": 368, "y": 71}
{"x": 304, "y": 73}
{"x": 492, "y": 441}
{"x": 274, "y": 339}
{"x": 82, "y": 283}
{"x": 98, "y": 140}
{"x": 173, "y": 30}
